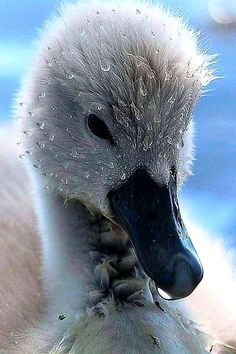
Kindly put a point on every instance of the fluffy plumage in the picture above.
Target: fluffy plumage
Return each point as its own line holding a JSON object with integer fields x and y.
{"x": 140, "y": 69}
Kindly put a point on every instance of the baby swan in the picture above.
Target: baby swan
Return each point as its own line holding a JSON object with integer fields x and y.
{"x": 106, "y": 115}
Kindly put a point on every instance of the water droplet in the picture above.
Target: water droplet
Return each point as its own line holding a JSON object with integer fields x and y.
{"x": 123, "y": 176}
{"x": 153, "y": 34}
{"x": 139, "y": 61}
{"x": 124, "y": 35}
{"x": 142, "y": 88}
{"x": 28, "y": 133}
{"x": 152, "y": 104}
{"x": 29, "y": 152}
{"x": 22, "y": 104}
{"x": 137, "y": 113}
{"x": 36, "y": 165}
{"x": 42, "y": 95}
{"x": 41, "y": 144}
{"x": 22, "y": 156}
{"x": 52, "y": 108}
{"x": 40, "y": 125}
{"x": 87, "y": 175}
{"x": 74, "y": 152}
{"x": 111, "y": 164}
{"x": 70, "y": 76}
{"x": 138, "y": 12}
{"x": 50, "y": 136}
{"x": 99, "y": 108}
{"x": 32, "y": 114}
{"x": 163, "y": 294}
{"x": 46, "y": 187}
{"x": 105, "y": 65}
{"x": 157, "y": 119}
{"x": 147, "y": 143}
{"x": 151, "y": 75}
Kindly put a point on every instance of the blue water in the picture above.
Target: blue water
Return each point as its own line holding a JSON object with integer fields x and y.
{"x": 210, "y": 194}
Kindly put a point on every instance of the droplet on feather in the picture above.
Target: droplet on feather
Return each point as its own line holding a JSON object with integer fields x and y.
{"x": 142, "y": 88}
{"x": 41, "y": 144}
{"x": 28, "y": 133}
{"x": 147, "y": 143}
{"x": 50, "y": 136}
{"x": 42, "y": 95}
{"x": 105, "y": 65}
{"x": 157, "y": 119}
{"x": 32, "y": 114}
{"x": 70, "y": 76}
{"x": 138, "y": 115}
{"x": 40, "y": 125}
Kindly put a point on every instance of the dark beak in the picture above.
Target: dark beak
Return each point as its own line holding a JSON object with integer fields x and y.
{"x": 150, "y": 215}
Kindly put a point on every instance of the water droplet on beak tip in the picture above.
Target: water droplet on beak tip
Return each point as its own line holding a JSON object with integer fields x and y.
{"x": 163, "y": 294}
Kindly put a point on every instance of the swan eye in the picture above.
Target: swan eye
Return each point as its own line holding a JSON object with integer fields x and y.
{"x": 99, "y": 128}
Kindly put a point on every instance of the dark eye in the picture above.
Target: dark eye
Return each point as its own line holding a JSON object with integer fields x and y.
{"x": 99, "y": 128}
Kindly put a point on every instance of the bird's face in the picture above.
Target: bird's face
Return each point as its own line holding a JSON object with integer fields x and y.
{"x": 106, "y": 121}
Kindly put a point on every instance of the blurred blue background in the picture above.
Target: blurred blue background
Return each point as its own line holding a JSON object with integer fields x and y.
{"x": 210, "y": 194}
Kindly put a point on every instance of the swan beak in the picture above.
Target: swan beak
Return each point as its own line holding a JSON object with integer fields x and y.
{"x": 149, "y": 213}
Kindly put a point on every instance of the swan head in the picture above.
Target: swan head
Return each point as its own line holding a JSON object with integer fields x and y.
{"x": 106, "y": 115}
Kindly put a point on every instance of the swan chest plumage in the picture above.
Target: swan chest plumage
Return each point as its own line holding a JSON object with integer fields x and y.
{"x": 105, "y": 113}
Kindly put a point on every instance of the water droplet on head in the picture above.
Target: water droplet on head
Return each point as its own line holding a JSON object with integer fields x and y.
{"x": 31, "y": 113}
{"x": 22, "y": 104}
{"x": 29, "y": 151}
{"x": 40, "y": 125}
{"x": 36, "y": 165}
{"x": 50, "y": 136}
{"x": 41, "y": 144}
{"x": 28, "y": 133}
{"x": 105, "y": 65}
{"x": 42, "y": 95}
